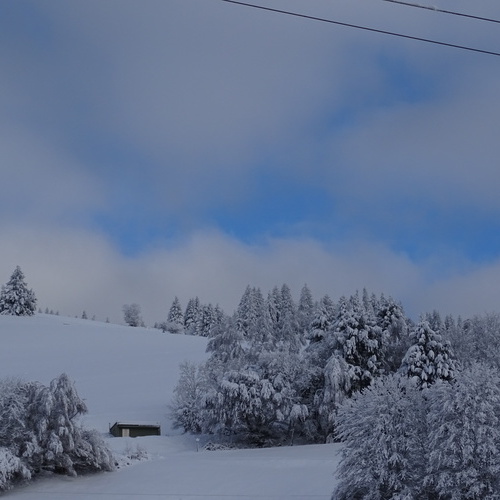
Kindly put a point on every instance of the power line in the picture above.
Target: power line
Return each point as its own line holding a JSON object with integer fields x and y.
{"x": 365, "y": 28}
{"x": 435, "y": 9}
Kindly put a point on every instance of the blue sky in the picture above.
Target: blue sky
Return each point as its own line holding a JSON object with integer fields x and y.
{"x": 192, "y": 147}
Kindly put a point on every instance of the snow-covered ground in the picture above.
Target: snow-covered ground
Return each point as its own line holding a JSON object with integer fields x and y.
{"x": 126, "y": 373}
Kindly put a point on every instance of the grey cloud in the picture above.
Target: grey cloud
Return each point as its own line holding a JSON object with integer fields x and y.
{"x": 41, "y": 182}
{"x": 444, "y": 152}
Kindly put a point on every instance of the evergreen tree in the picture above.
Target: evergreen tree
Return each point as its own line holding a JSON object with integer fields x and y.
{"x": 15, "y": 298}
{"x": 477, "y": 339}
{"x": 358, "y": 341}
{"x": 219, "y": 319}
{"x": 316, "y": 382}
{"x": 429, "y": 358}
{"x": 39, "y": 424}
{"x": 283, "y": 319}
{"x": 336, "y": 385}
{"x": 322, "y": 320}
{"x": 191, "y": 316}
{"x": 246, "y": 314}
{"x": 274, "y": 311}
{"x": 464, "y": 436}
{"x": 305, "y": 311}
{"x": 175, "y": 319}
{"x": 228, "y": 347}
{"x": 383, "y": 431}
{"x": 206, "y": 321}
{"x": 253, "y": 322}
{"x": 256, "y": 403}
{"x": 187, "y": 405}
{"x": 395, "y": 339}
{"x": 435, "y": 321}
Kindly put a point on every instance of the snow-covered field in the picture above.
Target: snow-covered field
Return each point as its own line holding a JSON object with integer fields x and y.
{"x": 126, "y": 373}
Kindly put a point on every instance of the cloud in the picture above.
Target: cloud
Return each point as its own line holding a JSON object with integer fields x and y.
{"x": 123, "y": 121}
{"x": 445, "y": 150}
{"x": 40, "y": 182}
{"x": 72, "y": 271}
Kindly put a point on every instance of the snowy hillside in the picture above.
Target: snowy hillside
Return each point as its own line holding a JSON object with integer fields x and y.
{"x": 126, "y": 373}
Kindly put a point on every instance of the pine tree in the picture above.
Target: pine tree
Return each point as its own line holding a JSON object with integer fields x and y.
{"x": 175, "y": 319}
{"x": 15, "y": 298}
{"x": 358, "y": 341}
{"x": 253, "y": 322}
{"x": 274, "y": 311}
{"x": 228, "y": 346}
{"x": 317, "y": 380}
{"x": 187, "y": 405}
{"x": 40, "y": 425}
{"x": 464, "y": 436}
{"x": 284, "y": 323}
{"x": 477, "y": 339}
{"x": 429, "y": 358}
{"x": 206, "y": 321}
{"x": 395, "y": 339}
{"x": 305, "y": 311}
{"x": 322, "y": 320}
{"x": 336, "y": 385}
{"x": 191, "y": 316}
{"x": 383, "y": 431}
{"x": 256, "y": 403}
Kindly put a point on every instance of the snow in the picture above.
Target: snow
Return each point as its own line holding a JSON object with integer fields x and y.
{"x": 128, "y": 374}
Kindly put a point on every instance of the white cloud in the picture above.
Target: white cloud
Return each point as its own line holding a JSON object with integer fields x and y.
{"x": 72, "y": 271}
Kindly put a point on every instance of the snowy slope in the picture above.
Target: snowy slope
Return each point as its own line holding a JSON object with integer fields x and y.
{"x": 127, "y": 373}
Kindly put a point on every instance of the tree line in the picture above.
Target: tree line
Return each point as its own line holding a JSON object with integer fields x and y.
{"x": 416, "y": 404}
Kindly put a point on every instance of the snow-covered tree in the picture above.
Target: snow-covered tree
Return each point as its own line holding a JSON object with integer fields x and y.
{"x": 305, "y": 310}
{"x": 283, "y": 369}
{"x": 227, "y": 347}
{"x": 256, "y": 404}
{"x": 288, "y": 334}
{"x": 253, "y": 323}
{"x": 429, "y": 358}
{"x": 358, "y": 341}
{"x": 15, "y": 297}
{"x": 175, "y": 318}
{"x": 435, "y": 321}
{"x": 39, "y": 425}
{"x": 383, "y": 432}
{"x": 56, "y": 441}
{"x": 132, "y": 314}
{"x": 464, "y": 436}
{"x": 395, "y": 339}
{"x": 322, "y": 320}
{"x": 191, "y": 316}
{"x": 477, "y": 339}
{"x": 186, "y": 408}
{"x": 206, "y": 320}
{"x": 336, "y": 386}
{"x": 12, "y": 469}
{"x": 283, "y": 319}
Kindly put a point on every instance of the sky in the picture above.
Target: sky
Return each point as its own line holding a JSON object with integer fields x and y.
{"x": 153, "y": 149}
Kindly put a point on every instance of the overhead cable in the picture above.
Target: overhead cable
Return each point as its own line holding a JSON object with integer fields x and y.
{"x": 365, "y": 28}
{"x": 435, "y": 9}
